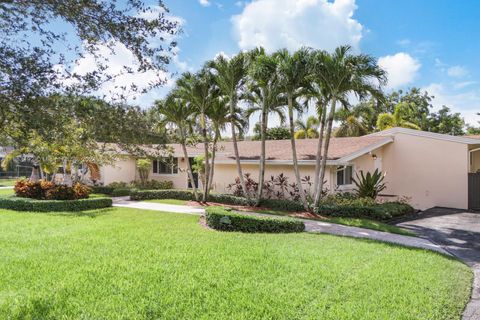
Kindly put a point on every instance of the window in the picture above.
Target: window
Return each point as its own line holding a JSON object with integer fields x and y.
{"x": 344, "y": 175}
{"x": 165, "y": 166}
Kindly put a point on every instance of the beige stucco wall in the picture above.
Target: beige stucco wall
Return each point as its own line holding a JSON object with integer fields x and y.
{"x": 430, "y": 172}
{"x": 123, "y": 170}
{"x": 225, "y": 174}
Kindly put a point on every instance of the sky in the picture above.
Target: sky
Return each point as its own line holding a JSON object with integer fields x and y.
{"x": 430, "y": 44}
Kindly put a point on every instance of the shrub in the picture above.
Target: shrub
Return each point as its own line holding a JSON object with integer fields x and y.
{"x": 284, "y": 205}
{"x": 162, "y": 194}
{"x": 143, "y": 166}
{"x": 50, "y": 191}
{"x": 121, "y": 192}
{"x": 352, "y": 207}
{"x": 102, "y": 190}
{"x": 369, "y": 185}
{"x": 228, "y": 199}
{"x": 152, "y": 185}
{"x": 116, "y": 185}
{"x": 22, "y": 204}
{"x": 220, "y": 219}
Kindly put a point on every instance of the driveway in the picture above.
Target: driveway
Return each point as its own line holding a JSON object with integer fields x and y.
{"x": 459, "y": 233}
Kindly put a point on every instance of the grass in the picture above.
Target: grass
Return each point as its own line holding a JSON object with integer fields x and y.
{"x": 354, "y": 222}
{"x": 6, "y": 192}
{"x": 8, "y": 182}
{"x": 370, "y": 224}
{"x": 168, "y": 201}
{"x": 121, "y": 263}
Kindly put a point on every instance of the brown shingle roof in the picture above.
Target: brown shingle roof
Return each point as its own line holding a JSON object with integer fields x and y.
{"x": 281, "y": 149}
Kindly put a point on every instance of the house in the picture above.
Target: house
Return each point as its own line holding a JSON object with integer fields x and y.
{"x": 428, "y": 169}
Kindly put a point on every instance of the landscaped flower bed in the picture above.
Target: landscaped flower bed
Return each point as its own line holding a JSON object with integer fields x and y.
{"x": 46, "y": 190}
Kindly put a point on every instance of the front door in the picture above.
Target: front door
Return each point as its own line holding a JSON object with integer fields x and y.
{"x": 474, "y": 191}
{"x": 195, "y": 175}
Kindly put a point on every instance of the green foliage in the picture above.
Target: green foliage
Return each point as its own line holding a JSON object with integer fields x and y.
{"x": 102, "y": 190}
{"x": 369, "y": 185}
{"x": 24, "y": 204}
{"x": 161, "y": 194}
{"x": 121, "y": 192}
{"x": 152, "y": 185}
{"x": 286, "y": 205}
{"x": 282, "y": 204}
{"x": 275, "y": 133}
{"x": 349, "y": 206}
{"x": 221, "y": 219}
{"x": 143, "y": 166}
{"x": 118, "y": 184}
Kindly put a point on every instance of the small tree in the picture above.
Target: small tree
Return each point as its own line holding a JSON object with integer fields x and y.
{"x": 143, "y": 166}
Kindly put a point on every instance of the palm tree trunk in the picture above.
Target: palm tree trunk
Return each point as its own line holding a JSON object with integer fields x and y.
{"x": 189, "y": 167}
{"x": 294, "y": 153}
{"x": 235, "y": 150}
{"x": 261, "y": 175}
{"x": 319, "y": 152}
{"x": 325, "y": 153}
{"x": 214, "y": 149}
{"x": 207, "y": 164}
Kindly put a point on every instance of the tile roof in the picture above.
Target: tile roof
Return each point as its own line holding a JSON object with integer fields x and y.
{"x": 281, "y": 149}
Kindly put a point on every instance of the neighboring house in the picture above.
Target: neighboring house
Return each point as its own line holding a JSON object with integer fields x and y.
{"x": 428, "y": 169}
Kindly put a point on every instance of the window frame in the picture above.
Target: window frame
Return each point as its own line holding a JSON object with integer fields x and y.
{"x": 344, "y": 169}
{"x": 157, "y": 163}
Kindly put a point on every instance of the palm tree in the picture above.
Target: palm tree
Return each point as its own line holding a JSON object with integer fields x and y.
{"x": 230, "y": 78}
{"x": 220, "y": 116}
{"x": 264, "y": 96}
{"x": 307, "y": 129}
{"x": 198, "y": 91}
{"x": 388, "y": 120}
{"x": 351, "y": 126}
{"x": 342, "y": 73}
{"x": 177, "y": 113}
{"x": 291, "y": 72}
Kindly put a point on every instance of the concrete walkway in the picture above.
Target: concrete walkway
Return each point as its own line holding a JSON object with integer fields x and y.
{"x": 126, "y": 203}
{"x": 6, "y": 187}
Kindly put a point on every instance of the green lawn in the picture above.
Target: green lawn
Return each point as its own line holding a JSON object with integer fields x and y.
{"x": 131, "y": 264}
{"x": 6, "y": 192}
{"x": 7, "y": 182}
{"x": 370, "y": 224}
{"x": 355, "y": 222}
{"x": 168, "y": 201}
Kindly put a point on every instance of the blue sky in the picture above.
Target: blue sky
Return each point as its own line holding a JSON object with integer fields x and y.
{"x": 431, "y": 44}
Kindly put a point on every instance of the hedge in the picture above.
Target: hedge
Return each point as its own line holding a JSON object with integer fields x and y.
{"x": 161, "y": 194}
{"x": 285, "y": 205}
{"x": 102, "y": 190}
{"x": 220, "y": 219}
{"x": 383, "y": 211}
{"x": 23, "y": 204}
{"x": 121, "y": 192}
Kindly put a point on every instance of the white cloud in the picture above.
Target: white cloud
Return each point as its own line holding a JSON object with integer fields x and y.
{"x": 402, "y": 69}
{"x": 457, "y": 72}
{"x": 204, "y": 3}
{"x": 461, "y": 85}
{"x": 276, "y": 24}
{"x": 467, "y": 103}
